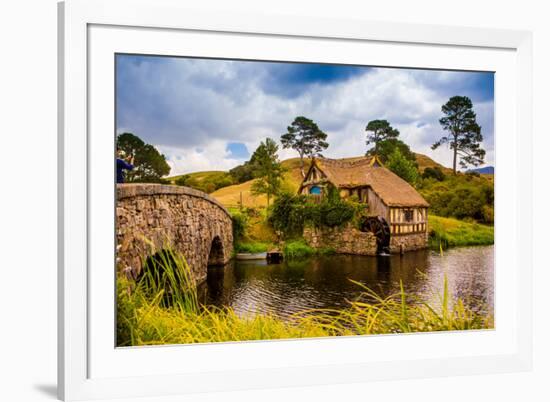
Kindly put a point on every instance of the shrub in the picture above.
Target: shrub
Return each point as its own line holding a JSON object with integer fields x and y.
{"x": 433, "y": 173}
{"x": 488, "y": 214}
{"x": 182, "y": 180}
{"x": 298, "y": 250}
{"x": 207, "y": 182}
{"x": 461, "y": 196}
{"x": 290, "y": 213}
{"x": 287, "y": 214}
{"x": 240, "y": 223}
{"x": 336, "y": 213}
{"x": 402, "y": 167}
{"x": 253, "y": 247}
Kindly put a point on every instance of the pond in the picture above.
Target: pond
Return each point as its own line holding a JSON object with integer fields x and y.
{"x": 324, "y": 282}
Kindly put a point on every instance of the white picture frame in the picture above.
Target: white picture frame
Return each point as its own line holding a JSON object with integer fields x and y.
{"x": 91, "y": 30}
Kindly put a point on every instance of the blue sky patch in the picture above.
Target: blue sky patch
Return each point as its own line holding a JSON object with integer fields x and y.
{"x": 237, "y": 150}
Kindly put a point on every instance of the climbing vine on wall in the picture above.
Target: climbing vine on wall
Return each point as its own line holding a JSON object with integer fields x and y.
{"x": 290, "y": 213}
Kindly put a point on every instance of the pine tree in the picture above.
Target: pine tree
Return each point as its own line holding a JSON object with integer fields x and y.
{"x": 379, "y": 130}
{"x": 465, "y": 134}
{"x": 304, "y": 136}
{"x": 268, "y": 171}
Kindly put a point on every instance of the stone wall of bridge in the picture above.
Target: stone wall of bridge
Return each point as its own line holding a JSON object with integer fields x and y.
{"x": 150, "y": 217}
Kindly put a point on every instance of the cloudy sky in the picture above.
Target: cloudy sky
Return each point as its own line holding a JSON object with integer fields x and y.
{"x": 205, "y": 114}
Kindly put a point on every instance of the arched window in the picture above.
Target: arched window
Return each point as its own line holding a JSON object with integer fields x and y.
{"x": 315, "y": 190}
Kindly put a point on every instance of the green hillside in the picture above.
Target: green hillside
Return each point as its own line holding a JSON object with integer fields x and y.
{"x": 222, "y": 186}
{"x": 208, "y": 181}
{"x": 232, "y": 195}
{"x": 197, "y": 175}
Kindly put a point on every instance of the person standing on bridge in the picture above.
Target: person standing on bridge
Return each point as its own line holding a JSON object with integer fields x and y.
{"x": 122, "y": 164}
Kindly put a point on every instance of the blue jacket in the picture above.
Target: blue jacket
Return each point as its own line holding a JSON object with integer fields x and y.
{"x": 120, "y": 166}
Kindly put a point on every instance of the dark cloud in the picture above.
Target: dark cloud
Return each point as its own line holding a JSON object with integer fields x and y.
{"x": 478, "y": 86}
{"x": 292, "y": 80}
{"x": 221, "y": 106}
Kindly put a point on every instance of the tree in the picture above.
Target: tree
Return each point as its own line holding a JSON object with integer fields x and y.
{"x": 242, "y": 173}
{"x": 182, "y": 180}
{"x": 268, "y": 170}
{"x": 245, "y": 172}
{"x": 433, "y": 173}
{"x": 149, "y": 164}
{"x": 304, "y": 136}
{"x": 379, "y": 130}
{"x": 465, "y": 134}
{"x": 402, "y": 167}
{"x": 386, "y": 148}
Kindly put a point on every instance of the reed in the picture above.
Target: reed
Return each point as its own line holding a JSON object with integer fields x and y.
{"x": 166, "y": 277}
{"x": 146, "y": 317}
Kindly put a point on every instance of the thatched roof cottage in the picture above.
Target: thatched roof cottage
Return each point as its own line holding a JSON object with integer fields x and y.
{"x": 400, "y": 212}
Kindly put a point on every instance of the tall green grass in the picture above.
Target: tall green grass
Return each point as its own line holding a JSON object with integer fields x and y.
{"x": 449, "y": 232}
{"x": 299, "y": 249}
{"x": 166, "y": 276}
{"x": 146, "y": 317}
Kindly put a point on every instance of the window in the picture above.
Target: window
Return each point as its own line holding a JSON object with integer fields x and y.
{"x": 315, "y": 190}
{"x": 408, "y": 215}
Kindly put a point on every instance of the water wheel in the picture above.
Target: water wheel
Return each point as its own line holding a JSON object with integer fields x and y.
{"x": 380, "y": 228}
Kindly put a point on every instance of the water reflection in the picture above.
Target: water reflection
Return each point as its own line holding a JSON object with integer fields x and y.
{"x": 323, "y": 282}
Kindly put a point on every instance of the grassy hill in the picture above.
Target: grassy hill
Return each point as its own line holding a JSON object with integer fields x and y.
{"x": 218, "y": 183}
{"x": 199, "y": 176}
{"x": 231, "y": 195}
{"x": 425, "y": 161}
{"x": 461, "y": 196}
{"x": 207, "y": 181}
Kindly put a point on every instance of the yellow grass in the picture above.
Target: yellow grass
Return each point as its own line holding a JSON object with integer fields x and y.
{"x": 425, "y": 161}
{"x": 230, "y": 196}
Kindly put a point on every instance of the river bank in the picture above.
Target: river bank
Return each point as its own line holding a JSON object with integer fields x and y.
{"x": 449, "y": 232}
{"x": 443, "y": 233}
{"x": 325, "y": 297}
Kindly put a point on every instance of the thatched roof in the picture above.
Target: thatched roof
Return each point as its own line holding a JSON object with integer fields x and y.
{"x": 368, "y": 171}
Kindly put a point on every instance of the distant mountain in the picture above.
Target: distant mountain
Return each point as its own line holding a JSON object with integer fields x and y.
{"x": 484, "y": 170}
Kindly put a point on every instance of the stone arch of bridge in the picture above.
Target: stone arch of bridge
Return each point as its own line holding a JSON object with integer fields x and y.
{"x": 216, "y": 256}
{"x": 151, "y": 217}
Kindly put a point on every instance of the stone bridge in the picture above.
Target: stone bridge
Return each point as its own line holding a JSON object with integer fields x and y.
{"x": 150, "y": 217}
